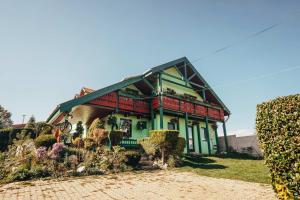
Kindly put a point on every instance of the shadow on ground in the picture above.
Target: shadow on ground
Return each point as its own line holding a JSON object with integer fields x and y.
{"x": 201, "y": 162}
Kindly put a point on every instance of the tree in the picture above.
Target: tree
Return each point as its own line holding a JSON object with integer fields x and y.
{"x": 29, "y": 128}
{"x": 5, "y": 118}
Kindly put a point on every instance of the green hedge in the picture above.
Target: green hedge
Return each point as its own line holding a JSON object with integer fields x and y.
{"x": 5, "y": 138}
{"x": 278, "y": 130}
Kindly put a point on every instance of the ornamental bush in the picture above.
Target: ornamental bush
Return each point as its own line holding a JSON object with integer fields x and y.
{"x": 45, "y": 140}
{"x": 166, "y": 140}
{"x": 278, "y": 130}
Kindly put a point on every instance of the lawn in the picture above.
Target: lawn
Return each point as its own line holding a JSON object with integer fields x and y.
{"x": 230, "y": 167}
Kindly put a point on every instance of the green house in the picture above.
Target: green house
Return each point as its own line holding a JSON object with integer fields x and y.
{"x": 170, "y": 96}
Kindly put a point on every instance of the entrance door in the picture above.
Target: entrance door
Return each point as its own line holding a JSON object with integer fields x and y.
{"x": 191, "y": 139}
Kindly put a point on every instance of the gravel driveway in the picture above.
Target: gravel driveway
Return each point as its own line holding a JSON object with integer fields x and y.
{"x": 139, "y": 185}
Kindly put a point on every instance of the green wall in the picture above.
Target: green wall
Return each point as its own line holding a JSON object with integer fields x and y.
{"x": 136, "y": 134}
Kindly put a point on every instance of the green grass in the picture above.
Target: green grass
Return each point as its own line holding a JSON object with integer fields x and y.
{"x": 230, "y": 167}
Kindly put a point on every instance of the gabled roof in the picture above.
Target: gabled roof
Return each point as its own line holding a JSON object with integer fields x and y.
{"x": 68, "y": 105}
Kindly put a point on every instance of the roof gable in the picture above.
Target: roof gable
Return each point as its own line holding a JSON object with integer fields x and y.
{"x": 183, "y": 66}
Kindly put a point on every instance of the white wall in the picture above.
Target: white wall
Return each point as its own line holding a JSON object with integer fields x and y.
{"x": 241, "y": 144}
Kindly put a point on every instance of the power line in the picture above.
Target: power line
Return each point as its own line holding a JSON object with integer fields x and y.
{"x": 254, "y": 35}
{"x": 259, "y": 77}
{"x": 224, "y": 48}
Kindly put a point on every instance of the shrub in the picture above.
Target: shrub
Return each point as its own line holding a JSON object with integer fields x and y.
{"x": 4, "y": 138}
{"x": 132, "y": 157}
{"x": 116, "y": 137}
{"x": 180, "y": 145}
{"x": 79, "y": 130}
{"x": 166, "y": 140}
{"x": 99, "y": 135}
{"x": 74, "y": 151}
{"x": 89, "y": 143}
{"x": 57, "y": 151}
{"x": 29, "y": 129}
{"x": 278, "y": 130}
{"x": 45, "y": 140}
{"x": 22, "y": 173}
{"x": 43, "y": 128}
{"x": 41, "y": 153}
{"x": 96, "y": 124}
{"x": 78, "y": 142}
{"x": 148, "y": 146}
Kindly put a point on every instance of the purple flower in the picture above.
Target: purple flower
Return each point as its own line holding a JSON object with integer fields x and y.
{"x": 56, "y": 151}
{"x": 41, "y": 152}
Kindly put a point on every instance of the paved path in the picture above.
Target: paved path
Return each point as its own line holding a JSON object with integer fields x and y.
{"x": 140, "y": 186}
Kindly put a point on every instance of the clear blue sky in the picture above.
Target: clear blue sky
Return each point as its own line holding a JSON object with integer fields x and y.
{"x": 50, "y": 49}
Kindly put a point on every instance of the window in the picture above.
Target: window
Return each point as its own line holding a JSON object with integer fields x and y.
{"x": 191, "y": 138}
{"x": 171, "y": 125}
{"x": 126, "y": 126}
{"x": 203, "y": 134}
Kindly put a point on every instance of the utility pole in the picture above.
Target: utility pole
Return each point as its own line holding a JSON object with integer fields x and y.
{"x": 23, "y": 118}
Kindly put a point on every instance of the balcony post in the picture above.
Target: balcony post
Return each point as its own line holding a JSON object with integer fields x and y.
{"x": 225, "y": 136}
{"x": 208, "y": 137}
{"x": 152, "y": 115}
{"x": 161, "y": 107}
{"x": 187, "y": 133}
{"x": 199, "y": 138}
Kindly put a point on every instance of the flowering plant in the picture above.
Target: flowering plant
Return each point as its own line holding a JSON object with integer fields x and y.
{"x": 41, "y": 153}
{"x": 57, "y": 151}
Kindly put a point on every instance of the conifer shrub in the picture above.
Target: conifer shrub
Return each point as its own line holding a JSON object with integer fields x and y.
{"x": 278, "y": 130}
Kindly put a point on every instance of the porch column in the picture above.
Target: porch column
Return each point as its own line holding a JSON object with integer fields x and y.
{"x": 161, "y": 107}
{"x": 207, "y": 133}
{"x": 178, "y": 121}
{"x": 118, "y": 103}
{"x": 217, "y": 141}
{"x": 152, "y": 115}
{"x": 187, "y": 133}
{"x": 225, "y": 136}
{"x": 199, "y": 138}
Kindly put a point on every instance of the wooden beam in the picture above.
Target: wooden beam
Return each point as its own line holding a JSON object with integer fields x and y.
{"x": 200, "y": 86}
{"x": 149, "y": 84}
{"x": 172, "y": 76}
{"x": 176, "y": 83}
{"x": 192, "y": 76}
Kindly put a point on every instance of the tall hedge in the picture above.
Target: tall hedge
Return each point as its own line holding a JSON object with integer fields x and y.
{"x": 278, "y": 130}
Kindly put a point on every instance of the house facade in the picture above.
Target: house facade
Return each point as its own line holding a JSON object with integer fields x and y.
{"x": 170, "y": 96}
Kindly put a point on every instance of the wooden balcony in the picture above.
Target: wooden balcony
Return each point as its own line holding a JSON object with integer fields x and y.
{"x": 124, "y": 103}
{"x": 191, "y": 108}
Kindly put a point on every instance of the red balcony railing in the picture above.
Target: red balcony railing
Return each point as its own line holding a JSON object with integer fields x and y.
{"x": 189, "y": 107}
{"x": 125, "y": 103}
